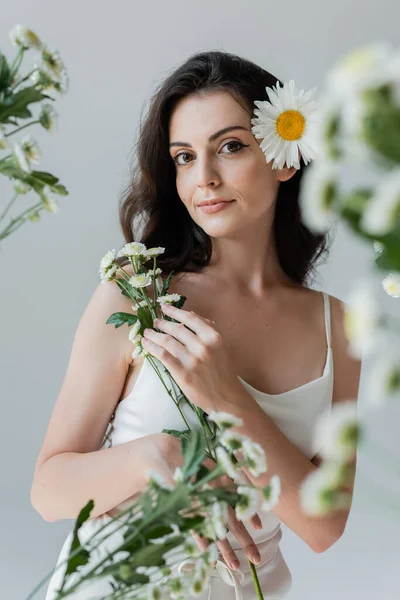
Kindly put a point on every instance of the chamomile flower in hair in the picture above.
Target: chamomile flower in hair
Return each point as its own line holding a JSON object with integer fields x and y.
{"x": 285, "y": 125}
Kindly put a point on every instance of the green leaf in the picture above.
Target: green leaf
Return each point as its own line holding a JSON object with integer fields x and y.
{"x": 193, "y": 449}
{"x": 5, "y": 73}
{"x": 145, "y": 317}
{"x": 120, "y": 318}
{"x": 82, "y": 557}
{"x": 178, "y": 434}
{"x": 124, "y": 287}
{"x": 16, "y": 105}
{"x": 166, "y": 283}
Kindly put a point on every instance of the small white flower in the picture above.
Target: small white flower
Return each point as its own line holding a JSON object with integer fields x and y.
{"x": 391, "y": 284}
{"x": 225, "y": 420}
{"x": 132, "y": 249}
{"x": 151, "y": 252}
{"x": 378, "y": 247}
{"x": 337, "y": 431}
{"x": 22, "y": 160}
{"x": 284, "y": 123}
{"x": 106, "y": 263}
{"x": 365, "y": 67}
{"x": 20, "y": 187}
{"x": 140, "y": 281}
{"x": 361, "y": 320}
{"x": 154, "y": 272}
{"x": 320, "y": 491}
{"x": 52, "y": 62}
{"x": 139, "y": 304}
{"x": 214, "y": 523}
{"x": 188, "y": 549}
{"x": 133, "y": 331}
{"x": 382, "y": 212}
{"x": 248, "y": 504}
{"x": 49, "y": 201}
{"x": 158, "y": 481}
{"x": 232, "y": 440}
{"x": 271, "y": 493}
{"x": 48, "y": 117}
{"x": 4, "y": 143}
{"x": 22, "y": 36}
{"x": 317, "y": 195}
{"x": 31, "y": 149}
{"x": 254, "y": 456}
{"x": 178, "y": 475}
{"x": 225, "y": 460}
{"x": 169, "y": 298}
{"x": 384, "y": 378}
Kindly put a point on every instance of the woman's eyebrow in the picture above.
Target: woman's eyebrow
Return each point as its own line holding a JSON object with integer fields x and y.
{"x": 214, "y": 136}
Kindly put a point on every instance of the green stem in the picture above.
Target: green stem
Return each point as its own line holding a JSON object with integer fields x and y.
{"x": 16, "y": 223}
{"x": 7, "y": 208}
{"x": 22, "y": 127}
{"x": 256, "y": 582}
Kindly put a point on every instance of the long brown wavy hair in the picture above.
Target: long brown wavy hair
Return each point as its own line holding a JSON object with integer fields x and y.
{"x": 151, "y": 210}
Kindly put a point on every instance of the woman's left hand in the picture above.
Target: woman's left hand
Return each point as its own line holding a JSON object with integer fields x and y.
{"x": 197, "y": 357}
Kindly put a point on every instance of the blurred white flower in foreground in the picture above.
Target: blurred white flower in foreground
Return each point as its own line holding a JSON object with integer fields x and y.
{"x": 361, "y": 320}
{"x": 382, "y": 212}
{"x": 337, "y": 432}
{"x": 391, "y": 284}
{"x": 383, "y": 380}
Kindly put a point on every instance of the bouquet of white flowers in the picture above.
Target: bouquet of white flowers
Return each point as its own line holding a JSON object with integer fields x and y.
{"x": 17, "y": 93}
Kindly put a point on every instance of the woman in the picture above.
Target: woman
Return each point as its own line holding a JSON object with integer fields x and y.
{"x": 256, "y": 333}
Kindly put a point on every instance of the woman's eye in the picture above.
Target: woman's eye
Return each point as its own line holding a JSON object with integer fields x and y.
{"x": 237, "y": 145}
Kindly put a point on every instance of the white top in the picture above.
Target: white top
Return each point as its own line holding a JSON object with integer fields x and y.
{"x": 148, "y": 409}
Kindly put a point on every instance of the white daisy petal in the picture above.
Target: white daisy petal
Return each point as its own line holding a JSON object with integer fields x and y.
{"x": 337, "y": 431}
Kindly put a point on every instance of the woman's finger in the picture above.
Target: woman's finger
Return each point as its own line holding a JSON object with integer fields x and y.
{"x": 239, "y": 531}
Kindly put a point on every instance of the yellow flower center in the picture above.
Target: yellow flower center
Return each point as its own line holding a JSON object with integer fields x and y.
{"x": 290, "y": 125}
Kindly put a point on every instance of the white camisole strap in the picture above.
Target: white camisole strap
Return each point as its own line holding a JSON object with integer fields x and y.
{"x": 327, "y": 312}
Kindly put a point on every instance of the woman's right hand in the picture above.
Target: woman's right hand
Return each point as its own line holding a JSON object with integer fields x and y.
{"x": 165, "y": 457}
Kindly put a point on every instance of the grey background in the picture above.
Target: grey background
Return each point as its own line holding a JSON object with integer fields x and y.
{"x": 116, "y": 53}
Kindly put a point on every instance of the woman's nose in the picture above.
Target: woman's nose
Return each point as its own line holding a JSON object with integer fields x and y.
{"x": 207, "y": 174}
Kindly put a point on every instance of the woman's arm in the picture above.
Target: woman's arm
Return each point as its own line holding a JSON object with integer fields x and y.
{"x": 71, "y": 468}
{"x": 286, "y": 460}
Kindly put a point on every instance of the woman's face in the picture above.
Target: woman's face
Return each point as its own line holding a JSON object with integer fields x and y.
{"x": 228, "y": 165}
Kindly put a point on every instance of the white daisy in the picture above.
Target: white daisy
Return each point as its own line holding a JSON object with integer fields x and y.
{"x": 156, "y": 251}
{"x": 21, "y": 158}
{"x": 52, "y": 62}
{"x": 133, "y": 331}
{"x": 132, "y": 249}
{"x": 361, "y": 320}
{"x": 285, "y": 125}
{"x": 48, "y": 117}
{"x": 106, "y": 263}
{"x": 214, "y": 523}
{"x": 157, "y": 481}
{"x": 254, "y": 456}
{"x": 225, "y": 420}
{"x": 49, "y": 201}
{"x": 249, "y": 502}
{"x": 169, "y": 298}
{"x": 337, "y": 432}
{"x": 271, "y": 493}
{"x": 154, "y": 272}
{"x": 22, "y": 36}
{"x": 391, "y": 284}
{"x": 140, "y": 281}
{"x": 225, "y": 460}
{"x": 382, "y": 212}
{"x": 232, "y": 440}
{"x": 366, "y": 67}
{"x": 384, "y": 378}
{"x": 317, "y": 196}
{"x": 320, "y": 492}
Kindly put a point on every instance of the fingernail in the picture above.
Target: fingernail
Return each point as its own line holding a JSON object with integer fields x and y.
{"x": 235, "y": 563}
{"x": 255, "y": 558}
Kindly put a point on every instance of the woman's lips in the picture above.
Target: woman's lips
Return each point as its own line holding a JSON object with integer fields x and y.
{"x": 212, "y": 208}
